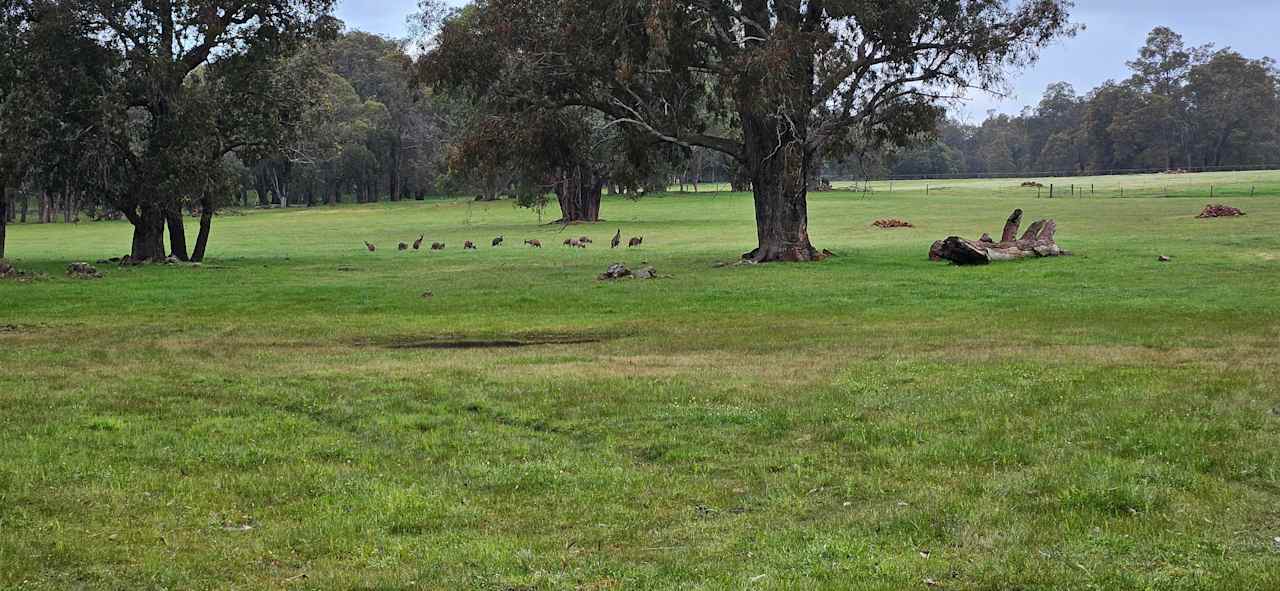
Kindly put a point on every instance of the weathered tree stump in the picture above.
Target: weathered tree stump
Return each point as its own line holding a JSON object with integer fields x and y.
{"x": 1037, "y": 241}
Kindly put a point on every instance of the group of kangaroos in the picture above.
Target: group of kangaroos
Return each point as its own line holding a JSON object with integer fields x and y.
{"x": 579, "y": 242}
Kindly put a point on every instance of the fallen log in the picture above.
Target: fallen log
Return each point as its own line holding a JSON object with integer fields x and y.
{"x": 1037, "y": 241}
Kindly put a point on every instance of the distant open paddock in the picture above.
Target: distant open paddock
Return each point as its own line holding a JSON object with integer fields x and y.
{"x": 1258, "y": 183}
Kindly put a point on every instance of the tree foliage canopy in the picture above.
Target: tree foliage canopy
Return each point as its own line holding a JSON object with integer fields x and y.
{"x": 769, "y": 83}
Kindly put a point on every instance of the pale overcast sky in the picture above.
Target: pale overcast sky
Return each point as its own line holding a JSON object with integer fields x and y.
{"x": 1115, "y": 29}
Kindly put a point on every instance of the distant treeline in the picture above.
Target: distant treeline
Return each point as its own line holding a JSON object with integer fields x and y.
{"x": 1181, "y": 108}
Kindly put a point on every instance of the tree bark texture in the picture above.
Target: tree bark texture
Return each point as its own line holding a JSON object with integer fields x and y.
{"x": 578, "y": 190}
{"x": 206, "y": 226}
{"x": 148, "y": 233}
{"x": 177, "y": 233}
{"x": 779, "y": 165}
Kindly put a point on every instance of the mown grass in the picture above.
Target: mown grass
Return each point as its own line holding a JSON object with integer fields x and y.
{"x": 875, "y": 421}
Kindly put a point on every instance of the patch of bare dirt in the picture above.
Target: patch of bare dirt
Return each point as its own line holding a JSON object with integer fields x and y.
{"x": 489, "y": 343}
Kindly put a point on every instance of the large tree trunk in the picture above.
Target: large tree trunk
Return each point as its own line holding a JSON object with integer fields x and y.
{"x": 578, "y": 190}
{"x": 177, "y": 233}
{"x": 148, "y": 233}
{"x": 779, "y": 164}
{"x": 26, "y": 204}
{"x": 206, "y": 225}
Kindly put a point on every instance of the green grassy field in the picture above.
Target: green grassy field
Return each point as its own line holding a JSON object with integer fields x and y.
{"x": 874, "y": 421}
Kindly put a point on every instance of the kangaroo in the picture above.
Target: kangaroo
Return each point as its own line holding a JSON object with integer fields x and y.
{"x": 468, "y": 245}
{"x": 584, "y": 240}
{"x": 437, "y": 246}
{"x": 635, "y": 241}
{"x": 534, "y": 243}
{"x": 370, "y": 246}
{"x": 403, "y": 246}
{"x": 418, "y": 243}
{"x": 572, "y": 242}
{"x": 617, "y": 239}
{"x": 498, "y": 241}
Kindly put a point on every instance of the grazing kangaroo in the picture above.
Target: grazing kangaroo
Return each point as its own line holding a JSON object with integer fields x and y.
{"x": 418, "y": 243}
{"x": 572, "y": 242}
{"x": 498, "y": 241}
{"x": 534, "y": 243}
{"x": 617, "y": 239}
{"x": 635, "y": 241}
{"x": 437, "y": 246}
{"x": 585, "y": 240}
{"x": 403, "y": 246}
{"x": 468, "y": 245}
{"x": 370, "y": 246}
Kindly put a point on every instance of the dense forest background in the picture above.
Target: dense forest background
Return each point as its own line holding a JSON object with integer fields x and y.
{"x": 1182, "y": 108}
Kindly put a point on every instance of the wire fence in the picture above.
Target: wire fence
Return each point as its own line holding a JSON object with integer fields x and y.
{"x": 1090, "y": 188}
{"x": 1069, "y": 173}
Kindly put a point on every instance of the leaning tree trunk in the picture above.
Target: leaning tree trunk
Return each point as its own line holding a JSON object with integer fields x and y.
{"x": 206, "y": 225}
{"x": 779, "y": 163}
{"x": 177, "y": 233}
{"x": 1038, "y": 241}
{"x": 578, "y": 190}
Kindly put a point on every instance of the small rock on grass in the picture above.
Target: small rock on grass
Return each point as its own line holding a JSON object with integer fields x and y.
{"x": 83, "y": 271}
